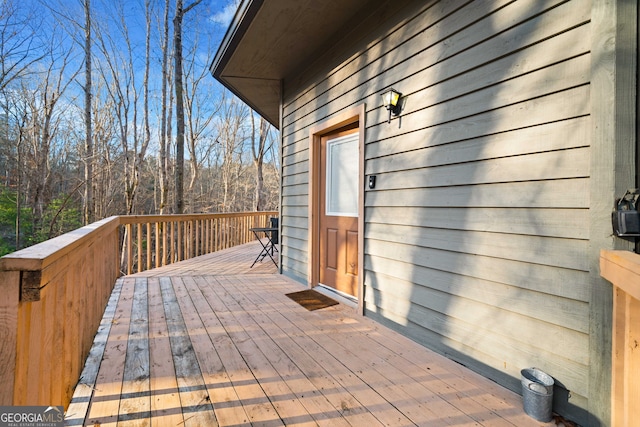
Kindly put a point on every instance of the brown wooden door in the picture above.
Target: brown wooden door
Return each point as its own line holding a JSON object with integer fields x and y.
{"x": 338, "y": 226}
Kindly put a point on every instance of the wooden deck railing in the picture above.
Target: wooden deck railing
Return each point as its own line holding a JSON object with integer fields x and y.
{"x": 152, "y": 241}
{"x": 622, "y": 269}
{"x": 54, "y": 293}
{"x": 53, "y": 296}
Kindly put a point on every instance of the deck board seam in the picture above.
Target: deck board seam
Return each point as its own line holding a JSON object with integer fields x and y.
{"x": 226, "y": 403}
{"x": 384, "y": 342}
{"x": 301, "y": 317}
{"x": 391, "y": 382}
{"x": 251, "y": 350}
{"x": 269, "y": 325}
{"x": 196, "y": 407}
{"x": 316, "y": 405}
{"x": 79, "y": 407}
{"x": 214, "y": 304}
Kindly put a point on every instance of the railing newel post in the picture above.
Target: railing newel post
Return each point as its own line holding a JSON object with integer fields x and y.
{"x": 10, "y": 288}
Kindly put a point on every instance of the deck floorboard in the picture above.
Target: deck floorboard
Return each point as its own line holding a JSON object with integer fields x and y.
{"x": 210, "y": 341}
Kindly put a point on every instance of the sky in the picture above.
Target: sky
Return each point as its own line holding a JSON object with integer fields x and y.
{"x": 204, "y": 27}
{"x": 224, "y": 13}
{"x": 212, "y": 16}
{"x": 206, "y": 23}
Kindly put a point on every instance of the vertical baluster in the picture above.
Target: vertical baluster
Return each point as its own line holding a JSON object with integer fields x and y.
{"x": 188, "y": 231}
{"x": 203, "y": 236}
{"x": 172, "y": 255}
{"x": 221, "y": 233}
{"x": 139, "y": 248}
{"x": 180, "y": 242}
{"x": 215, "y": 234}
{"x": 196, "y": 231}
{"x": 191, "y": 242}
{"x": 129, "y": 231}
{"x": 207, "y": 235}
{"x": 165, "y": 253}
{"x": 224, "y": 233}
{"x": 227, "y": 233}
{"x": 187, "y": 239}
{"x": 149, "y": 246}
{"x": 234, "y": 220}
{"x": 156, "y": 264}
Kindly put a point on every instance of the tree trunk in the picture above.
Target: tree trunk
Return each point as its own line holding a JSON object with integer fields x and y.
{"x": 259, "y": 149}
{"x": 19, "y": 191}
{"x": 146, "y": 127}
{"x": 179, "y": 88}
{"x": 163, "y": 166}
{"x": 88, "y": 148}
{"x": 177, "y": 72}
{"x": 259, "y": 195}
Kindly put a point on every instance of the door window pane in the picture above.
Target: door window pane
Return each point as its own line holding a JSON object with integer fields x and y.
{"x": 342, "y": 176}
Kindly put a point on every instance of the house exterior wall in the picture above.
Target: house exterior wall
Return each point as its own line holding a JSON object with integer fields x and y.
{"x": 477, "y": 237}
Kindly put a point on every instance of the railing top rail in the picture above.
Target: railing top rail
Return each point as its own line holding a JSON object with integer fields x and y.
{"x": 143, "y": 219}
{"x": 622, "y": 268}
{"x": 39, "y": 256}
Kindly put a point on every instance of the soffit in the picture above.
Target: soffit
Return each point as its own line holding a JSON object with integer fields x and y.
{"x": 269, "y": 40}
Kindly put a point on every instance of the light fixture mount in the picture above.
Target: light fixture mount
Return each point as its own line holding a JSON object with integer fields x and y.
{"x": 391, "y": 101}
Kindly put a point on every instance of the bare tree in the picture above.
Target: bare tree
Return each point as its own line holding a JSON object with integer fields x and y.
{"x": 232, "y": 120}
{"x": 92, "y": 157}
{"x": 118, "y": 86}
{"x": 260, "y": 146}
{"x": 89, "y": 208}
{"x": 35, "y": 112}
{"x": 83, "y": 26}
{"x": 17, "y": 112}
{"x": 177, "y": 43}
{"x": 108, "y": 186}
{"x": 119, "y": 71}
{"x": 200, "y": 113}
{"x": 146, "y": 139}
{"x": 20, "y": 43}
{"x": 164, "y": 132}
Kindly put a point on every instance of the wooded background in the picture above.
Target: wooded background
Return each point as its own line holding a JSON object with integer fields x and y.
{"x": 95, "y": 119}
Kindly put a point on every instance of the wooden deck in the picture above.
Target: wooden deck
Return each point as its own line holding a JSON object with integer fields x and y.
{"x": 209, "y": 342}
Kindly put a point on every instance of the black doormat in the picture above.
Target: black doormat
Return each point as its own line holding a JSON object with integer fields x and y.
{"x": 312, "y": 300}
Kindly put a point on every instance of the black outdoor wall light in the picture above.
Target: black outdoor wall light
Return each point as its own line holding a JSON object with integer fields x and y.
{"x": 625, "y": 216}
{"x": 392, "y": 102}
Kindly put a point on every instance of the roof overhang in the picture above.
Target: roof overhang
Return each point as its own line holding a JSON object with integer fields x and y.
{"x": 269, "y": 41}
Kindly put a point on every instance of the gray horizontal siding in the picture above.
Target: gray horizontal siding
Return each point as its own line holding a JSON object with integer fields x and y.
{"x": 562, "y": 311}
{"x": 521, "y": 49}
{"x": 483, "y": 334}
{"x": 476, "y": 239}
{"x": 563, "y": 193}
{"x": 402, "y": 152}
{"x": 520, "y": 221}
{"x": 564, "y": 253}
